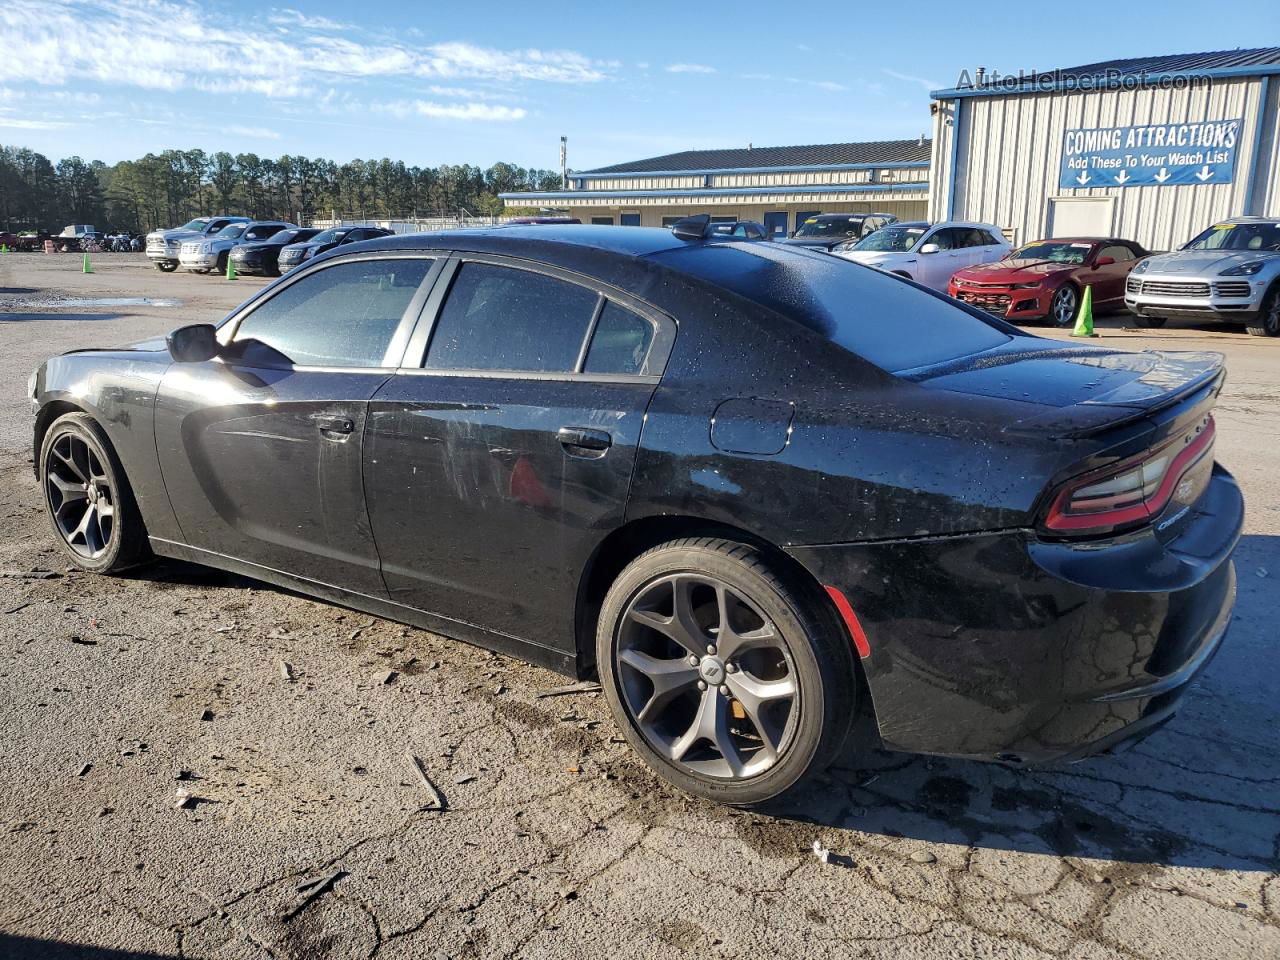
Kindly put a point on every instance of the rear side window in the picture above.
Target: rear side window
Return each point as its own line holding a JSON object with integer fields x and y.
{"x": 501, "y": 318}
{"x": 620, "y": 343}
{"x": 341, "y": 316}
{"x": 881, "y": 318}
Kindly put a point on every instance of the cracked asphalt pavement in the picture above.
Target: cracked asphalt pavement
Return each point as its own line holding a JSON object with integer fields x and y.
{"x": 198, "y": 765}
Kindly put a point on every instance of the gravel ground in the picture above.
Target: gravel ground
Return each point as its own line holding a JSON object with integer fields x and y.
{"x": 305, "y": 834}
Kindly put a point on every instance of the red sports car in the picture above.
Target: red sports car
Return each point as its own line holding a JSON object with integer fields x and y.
{"x": 1047, "y": 278}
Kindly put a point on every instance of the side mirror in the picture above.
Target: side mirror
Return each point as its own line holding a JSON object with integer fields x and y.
{"x": 1104, "y": 261}
{"x": 193, "y": 344}
{"x": 929, "y": 248}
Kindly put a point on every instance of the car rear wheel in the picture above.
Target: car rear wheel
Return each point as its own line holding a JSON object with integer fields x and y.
{"x": 1267, "y": 323}
{"x": 731, "y": 681}
{"x": 1149, "y": 322}
{"x": 1062, "y": 307}
{"x": 88, "y": 499}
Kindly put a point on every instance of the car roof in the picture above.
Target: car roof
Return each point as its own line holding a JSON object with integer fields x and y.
{"x": 628, "y": 241}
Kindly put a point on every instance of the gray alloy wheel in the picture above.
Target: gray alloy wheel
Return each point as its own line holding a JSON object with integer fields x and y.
{"x": 1062, "y": 308}
{"x": 707, "y": 679}
{"x": 80, "y": 495}
{"x": 726, "y": 669}
{"x": 87, "y": 498}
{"x": 165, "y": 266}
{"x": 1267, "y": 323}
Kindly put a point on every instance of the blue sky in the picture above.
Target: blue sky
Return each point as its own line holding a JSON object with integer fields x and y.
{"x": 431, "y": 82}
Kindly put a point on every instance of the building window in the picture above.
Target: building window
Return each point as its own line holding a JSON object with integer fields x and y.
{"x": 630, "y": 220}
{"x": 602, "y": 221}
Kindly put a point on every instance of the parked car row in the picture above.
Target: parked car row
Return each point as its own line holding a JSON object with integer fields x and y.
{"x": 266, "y": 247}
{"x": 1229, "y": 272}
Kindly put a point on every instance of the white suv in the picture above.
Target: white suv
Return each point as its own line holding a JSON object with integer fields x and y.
{"x": 211, "y": 253}
{"x": 927, "y": 253}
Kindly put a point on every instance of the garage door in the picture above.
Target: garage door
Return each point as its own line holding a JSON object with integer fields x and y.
{"x": 1085, "y": 217}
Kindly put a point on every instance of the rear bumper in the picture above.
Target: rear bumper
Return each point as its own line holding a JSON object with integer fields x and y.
{"x": 1005, "y": 647}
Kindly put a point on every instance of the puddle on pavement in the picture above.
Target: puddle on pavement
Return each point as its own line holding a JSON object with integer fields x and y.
{"x": 96, "y": 302}
{"x": 114, "y": 302}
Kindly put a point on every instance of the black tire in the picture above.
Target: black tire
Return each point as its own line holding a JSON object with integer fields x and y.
{"x": 813, "y": 652}
{"x": 166, "y": 266}
{"x": 125, "y": 545}
{"x": 1151, "y": 323}
{"x": 221, "y": 263}
{"x": 1267, "y": 323}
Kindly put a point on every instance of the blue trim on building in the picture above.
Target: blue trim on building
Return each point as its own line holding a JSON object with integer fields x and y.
{"x": 1255, "y": 158}
{"x": 1101, "y": 83}
{"x": 697, "y": 192}
{"x": 623, "y": 174}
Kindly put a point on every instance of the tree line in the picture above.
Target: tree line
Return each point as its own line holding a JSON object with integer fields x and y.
{"x": 169, "y": 188}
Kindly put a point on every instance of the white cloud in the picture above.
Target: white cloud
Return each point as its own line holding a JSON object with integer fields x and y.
{"x": 924, "y": 82}
{"x": 828, "y": 85}
{"x": 689, "y": 68}
{"x": 257, "y": 133}
{"x": 287, "y": 17}
{"x": 17, "y": 123}
{"x": 448, "y": 111}
{"x": 168, "y": 45}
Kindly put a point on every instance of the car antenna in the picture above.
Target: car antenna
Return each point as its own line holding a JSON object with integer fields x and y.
{"x": 692, "y": 228}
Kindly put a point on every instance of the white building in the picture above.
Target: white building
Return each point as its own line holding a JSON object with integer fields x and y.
{"x": 1153, "y": 149}
{"x": 776, "y": 186}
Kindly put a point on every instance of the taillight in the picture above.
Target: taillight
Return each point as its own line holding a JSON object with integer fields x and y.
{"x": 1131, "y": 492}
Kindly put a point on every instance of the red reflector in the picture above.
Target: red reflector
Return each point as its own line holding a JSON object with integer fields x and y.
{"x": 850, "y": 621}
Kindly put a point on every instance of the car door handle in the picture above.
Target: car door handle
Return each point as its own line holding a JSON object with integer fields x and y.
{"x": 327, "y": 424}
{"x": 581, "y": 440}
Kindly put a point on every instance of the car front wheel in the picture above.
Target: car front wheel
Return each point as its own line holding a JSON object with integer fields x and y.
{"x": 731, "y": 680}
{"x": 1062, "y": 308}
{"x": 88, "y": 499}
{"x": 1267, "y": 323}
{"x": 1154, "y": 323}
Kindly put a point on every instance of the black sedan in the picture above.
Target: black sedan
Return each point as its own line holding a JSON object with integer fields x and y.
{"x": 295, "y": 253}
{"x": 262, "y": 256}
{"x": 825, "y": 230}
{"x": 742, "y": 483}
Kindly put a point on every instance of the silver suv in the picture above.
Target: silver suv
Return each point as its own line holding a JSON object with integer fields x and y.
{"x": 1231, "y": 272}
{"x": 165, "y": 246}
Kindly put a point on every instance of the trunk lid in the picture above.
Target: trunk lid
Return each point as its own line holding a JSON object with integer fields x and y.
{"x": 1084, "y": 388}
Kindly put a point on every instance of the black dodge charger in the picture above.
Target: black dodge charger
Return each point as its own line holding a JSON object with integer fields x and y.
{"x": 745, "y": 484}
{"x": 262, "y": 257}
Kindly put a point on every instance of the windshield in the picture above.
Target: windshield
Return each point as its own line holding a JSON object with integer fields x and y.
{"x": 891, "y": 239}
{"x": 1238, "y": 236}
{"x": 1064, "y": 251}
{"x": 197, "y": 224}
{"x": 329, "y": 236}
{"x": 879, "y": 317}
{"x": 834, "y": 227}
{"x": 232, "y": 231}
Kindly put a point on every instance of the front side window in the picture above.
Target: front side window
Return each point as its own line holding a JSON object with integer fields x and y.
{"x": 501, "y": 318}
{"x": 341, "y": 316}
{"x": 1117, "y": 253}
{"x": 263, "y": 231}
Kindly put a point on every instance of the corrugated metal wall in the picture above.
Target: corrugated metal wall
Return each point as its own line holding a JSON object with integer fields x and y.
{"x": 651, "y": 216}
{"x": 1010, "y": 150}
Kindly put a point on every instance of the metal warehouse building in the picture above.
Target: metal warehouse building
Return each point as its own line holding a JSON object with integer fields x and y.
{"x": 776, "y": 186}
{"x": 1155, "y": 149}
